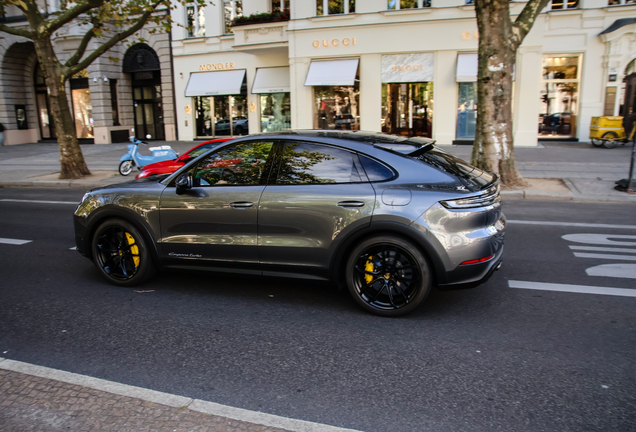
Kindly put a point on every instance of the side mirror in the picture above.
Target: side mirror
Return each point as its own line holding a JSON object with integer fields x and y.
{"x": 184, "y": 183}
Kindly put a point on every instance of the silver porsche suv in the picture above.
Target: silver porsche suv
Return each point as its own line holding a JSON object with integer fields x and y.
{"x": 387, "y": 217}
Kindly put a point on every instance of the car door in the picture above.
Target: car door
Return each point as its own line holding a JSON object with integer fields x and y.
{"x": 316, "y": 195}
{"x": 216, "y": 219}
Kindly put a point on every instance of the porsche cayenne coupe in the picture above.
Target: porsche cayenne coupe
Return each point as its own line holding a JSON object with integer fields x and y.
{"x": 387, "y": 217}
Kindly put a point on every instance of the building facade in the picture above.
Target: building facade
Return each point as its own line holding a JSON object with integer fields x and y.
{"x": 127, "y": 91}
{"x": 403, "y": 67}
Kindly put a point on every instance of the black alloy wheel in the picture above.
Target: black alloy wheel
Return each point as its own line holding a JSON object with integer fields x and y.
{"x": 120, "y": 252}
{"x": 388, "y": 276}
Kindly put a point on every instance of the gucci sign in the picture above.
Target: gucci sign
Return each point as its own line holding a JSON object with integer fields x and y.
{"x": 326, "y": 43}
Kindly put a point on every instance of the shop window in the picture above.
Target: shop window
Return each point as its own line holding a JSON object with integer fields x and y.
{"x": 21, "y": 117}
{"x": 213, "y": 114}
{"x": 407, "y": 109}
{"x": 559, "y": 96}
{"x": 275, "y": 112}
{"x": 407, "y": 4}
{"x": 467, "y": 110}
{"x": 564, "y": 4}
{"x": 620, "y": 2}
{"x": 335, "y": 7}
{"x": 82, "y": 108}
{"x": 233, "y": 9}
{"x": 113, "y": 101}
{"x": 195, "y": 19}
{"x": 337, "y": 107}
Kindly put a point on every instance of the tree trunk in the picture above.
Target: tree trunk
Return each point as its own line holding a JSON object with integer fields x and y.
{"x": 72, "y": 161}
{"x": 493, "y": 148}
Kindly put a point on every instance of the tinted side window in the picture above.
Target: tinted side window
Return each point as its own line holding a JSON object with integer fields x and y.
{"x": 375, "y": 170}
{"x": 240, "y": 164}
{"x": 304, "y": 163}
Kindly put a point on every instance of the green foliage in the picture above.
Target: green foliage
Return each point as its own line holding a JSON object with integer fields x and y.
{"x": 258, "y": 18}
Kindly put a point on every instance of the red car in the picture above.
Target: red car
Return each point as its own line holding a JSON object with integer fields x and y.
{"x": 170, "y": 166}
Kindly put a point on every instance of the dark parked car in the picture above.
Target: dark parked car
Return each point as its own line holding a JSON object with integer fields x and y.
{"x": 385, "y": 216}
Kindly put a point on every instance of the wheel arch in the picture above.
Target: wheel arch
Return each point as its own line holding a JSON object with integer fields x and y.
{"x": 337, "y": 267}
{"x": 105, "y": 213}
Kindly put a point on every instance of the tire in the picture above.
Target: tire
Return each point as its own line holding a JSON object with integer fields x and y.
{"x": 238, "y": 130}
{"x": 121, "y": 254}
{"x": 388, "y": 276}
{"x": 596, "y": 142}
{"x": 609, "y": 139}
{"x": 126, "y": 167}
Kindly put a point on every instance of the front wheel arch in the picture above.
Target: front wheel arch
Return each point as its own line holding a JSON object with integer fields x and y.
{"x": 105, "y": 213}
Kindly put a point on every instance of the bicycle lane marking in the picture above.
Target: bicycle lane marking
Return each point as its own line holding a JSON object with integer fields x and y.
{"x": 592, "y": 242}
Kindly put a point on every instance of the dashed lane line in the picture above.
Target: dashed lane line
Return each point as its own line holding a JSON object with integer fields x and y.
{"x": 583, "y": 289}
{"x": 14, "y": 241}
{"x": 571, "y": 224}
{"x": 39, "y": 201}
{"x": 170, "y": 399}
{"x": 605, "y": 256}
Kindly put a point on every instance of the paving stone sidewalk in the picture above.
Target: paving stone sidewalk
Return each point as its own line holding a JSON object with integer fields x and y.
{"x": 29, "y": 403}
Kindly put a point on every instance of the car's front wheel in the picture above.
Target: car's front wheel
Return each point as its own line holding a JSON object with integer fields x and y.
{"x": 388, "y": 276}
{"x": 121, "y": 254}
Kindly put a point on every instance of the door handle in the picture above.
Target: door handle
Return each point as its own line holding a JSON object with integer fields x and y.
{"x": 241, "y": 204}
{"x": 351, "y": 204}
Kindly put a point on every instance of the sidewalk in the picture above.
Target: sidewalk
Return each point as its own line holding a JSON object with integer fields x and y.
{"x": 36, "y": 398}
{"x": 554, "y": 170}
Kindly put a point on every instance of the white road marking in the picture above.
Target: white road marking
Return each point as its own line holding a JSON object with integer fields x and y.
{"x": 14, "y": 241}
{"x": 73, "y": 248}
{"x": 584, "y": 289}
{"x": 572, "y": 224}
{"x": 40, "y": 201}
{"x": 605, "y": 256}
{"x": 602, "y": 249}
{"x": 170, "y": 399}
{"x": 602, "y": 239}
{"x": 613, "y": 270}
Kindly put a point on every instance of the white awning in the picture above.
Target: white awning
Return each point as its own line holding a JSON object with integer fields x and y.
{"x": 466, "y": 68}
{"x": 332, "y": 72}
{"x": 271, "y": 80}
{"x": 219, "y": 83}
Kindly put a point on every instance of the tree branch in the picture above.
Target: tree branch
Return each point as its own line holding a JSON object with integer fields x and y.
{"x": 525, "y": 20}
{"x": 113, "y": 40}
{"x": 72, "y": 13}
{"x": 16, "y": 31}
{"x": 81, "y": 49}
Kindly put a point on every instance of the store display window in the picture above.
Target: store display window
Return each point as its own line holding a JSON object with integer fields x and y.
{"x": 466, "y": 110}
{"x": 559, "y": 96}
{"x": 275, "y": 112}
{"x": 213, "y": 114}
{"x": 337, "y": 107}
{"x": 407, "y": 109}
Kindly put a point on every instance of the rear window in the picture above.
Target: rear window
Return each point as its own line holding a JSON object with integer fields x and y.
{"x": 473, "y": 178}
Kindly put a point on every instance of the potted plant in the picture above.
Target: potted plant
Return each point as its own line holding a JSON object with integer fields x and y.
{"x": 1, "y": 134}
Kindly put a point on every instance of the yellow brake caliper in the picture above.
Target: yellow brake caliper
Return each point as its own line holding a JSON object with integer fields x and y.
{"x": 134, "y": 249}
{"x": 369, "y": 267}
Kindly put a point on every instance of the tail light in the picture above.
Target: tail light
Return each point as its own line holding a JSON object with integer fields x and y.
{"x": 480, "y": 260}
{"x": 487, "y": 197}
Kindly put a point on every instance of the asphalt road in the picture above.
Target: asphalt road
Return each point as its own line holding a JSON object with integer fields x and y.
{"x": 488, "y": 359}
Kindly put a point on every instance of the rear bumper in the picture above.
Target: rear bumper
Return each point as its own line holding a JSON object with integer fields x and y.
{"x": 472, "y": 275}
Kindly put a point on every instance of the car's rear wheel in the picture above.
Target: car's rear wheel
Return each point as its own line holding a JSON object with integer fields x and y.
{"x": 388, "y": 276}
{"x": 121, "y": 254}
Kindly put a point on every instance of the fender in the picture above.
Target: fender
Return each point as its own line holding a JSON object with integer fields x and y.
{"x": 387, "y": 227}
{"x": 121, "y": 212}
{"x": 126, "y": 157}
